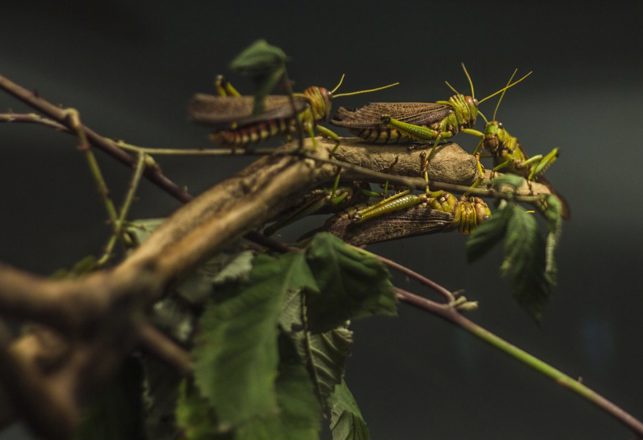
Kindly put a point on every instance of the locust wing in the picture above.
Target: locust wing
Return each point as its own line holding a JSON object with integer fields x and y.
{"x": 225, "y": 111}
{"x": 370, "y": 116}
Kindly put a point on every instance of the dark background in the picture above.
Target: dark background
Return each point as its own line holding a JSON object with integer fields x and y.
{"x": 130, "y": 67}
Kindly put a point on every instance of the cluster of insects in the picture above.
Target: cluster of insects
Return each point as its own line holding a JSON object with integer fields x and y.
{"x": 230, "y": 115}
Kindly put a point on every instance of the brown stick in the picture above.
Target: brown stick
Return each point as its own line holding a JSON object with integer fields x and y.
{"x": 59, "y": 115}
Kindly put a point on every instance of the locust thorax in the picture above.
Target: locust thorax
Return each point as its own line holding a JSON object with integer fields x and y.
{"x": 465, "y": 109}
{"x": 319, "y": 100}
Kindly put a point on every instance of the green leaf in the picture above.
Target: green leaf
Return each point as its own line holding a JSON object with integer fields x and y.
{"x": 553, "y": 213}
{"x": 266, "y": 64}
{"x": 224, "y": 267}
{"x": 140, "y": 230}
{"x": 353, "y": 284}
{"x": 346, "y": 422}
{"x": 299, "y": 412}
{"x": 259, "y": 59}
{"x": 236, "y": 350}
{"x": 325, "y": 353}
{"x": 195, "y": 417}
{"x": 511, "y": 180}
{"x": 237, "y": 269}
{"x": 488, "y": 233}
{"x": 524, "y": 262}
{"x": 116, "y": 412}
{"x": 328, "y": 354}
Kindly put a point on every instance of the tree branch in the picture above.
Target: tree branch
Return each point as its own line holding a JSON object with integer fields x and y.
{"x": 59, "y": 115}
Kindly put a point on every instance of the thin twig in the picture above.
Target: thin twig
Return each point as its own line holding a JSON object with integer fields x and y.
{"x": 452, "y": 315}
{"x": 31, "y": 118}
{"x": 446, "y": 293}
{"x": 84, "y": 147}
{"x": 197, "y": 151}
{"x": 153, "y": 173}
{"x": 122, "y": 216}
{"x": 157, "y": 343}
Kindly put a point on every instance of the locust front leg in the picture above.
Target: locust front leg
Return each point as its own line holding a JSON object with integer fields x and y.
{"x": 224, "y": 87}
{"x": 396, "y": 202}
{"x": 420, "y": 133}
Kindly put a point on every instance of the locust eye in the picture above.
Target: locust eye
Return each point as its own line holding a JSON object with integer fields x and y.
{"x": 500, "y": 124}
{"x": 475, "y": 102}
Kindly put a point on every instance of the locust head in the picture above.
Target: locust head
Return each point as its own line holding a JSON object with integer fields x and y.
{"x": 319, "y": 100}
{"x": 472, "y": 109}
{"x": 492, "y": 133}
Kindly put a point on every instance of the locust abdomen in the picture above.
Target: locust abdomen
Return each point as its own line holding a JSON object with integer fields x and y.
{"x": 251, "y": 134}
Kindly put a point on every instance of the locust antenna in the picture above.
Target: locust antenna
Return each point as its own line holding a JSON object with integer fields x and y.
{"x": 507, "y": 87}
{"x": 502, "y": 95}
{"x": 339, "y": 84}
{"x": 466, "y": 72}
{"x": 359, "y": 92}
{"x": 486, "y": 121}
{"x": 453, "y": 89}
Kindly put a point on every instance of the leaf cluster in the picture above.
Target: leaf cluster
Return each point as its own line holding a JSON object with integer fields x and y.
{"x": 528, "y": 261}
{"x": 272, "y": 344}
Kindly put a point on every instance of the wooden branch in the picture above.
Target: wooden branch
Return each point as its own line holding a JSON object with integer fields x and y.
{"x": 96, "y": 320}
{"x": 59, "y": 116}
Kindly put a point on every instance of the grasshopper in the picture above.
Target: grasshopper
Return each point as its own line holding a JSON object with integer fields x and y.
{"x": 507, "y": 151}
{"x": 404, "y": 122}
{"x": 509, "y": 155}
{"x": 468, "y": 212}
{"x": 231, "y": 114}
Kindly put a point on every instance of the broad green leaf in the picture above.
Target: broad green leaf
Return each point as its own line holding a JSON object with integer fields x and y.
{"x": 353, "y": 284}
{"x": 328, "y": 354}
{"x": 488, "y": 233}
{"x": 259, "y": 59}
{"x": 224, "y": 267}
{"x": 346, "y": 421}
{"x": 324, "y": 353}
{"x": 236, "y": 350}
{"x": 524, "y": 261}
{"x": 299, "y": 412}
{"x": 237, "y": 269}
{"x": 195, "y": 417}
{"x": 116, "y": 412}
{"x": 141, "y": 229}
{"x": 510, "y": 180}
{"x": 554, "y": 226}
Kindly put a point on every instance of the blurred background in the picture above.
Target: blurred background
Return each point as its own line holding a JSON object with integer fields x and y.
{"x": 130, "y": 67}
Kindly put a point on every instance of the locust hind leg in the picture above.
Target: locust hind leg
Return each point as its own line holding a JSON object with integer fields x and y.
{"x": 543, "y": 164}
{"x": 396, "y": 202}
